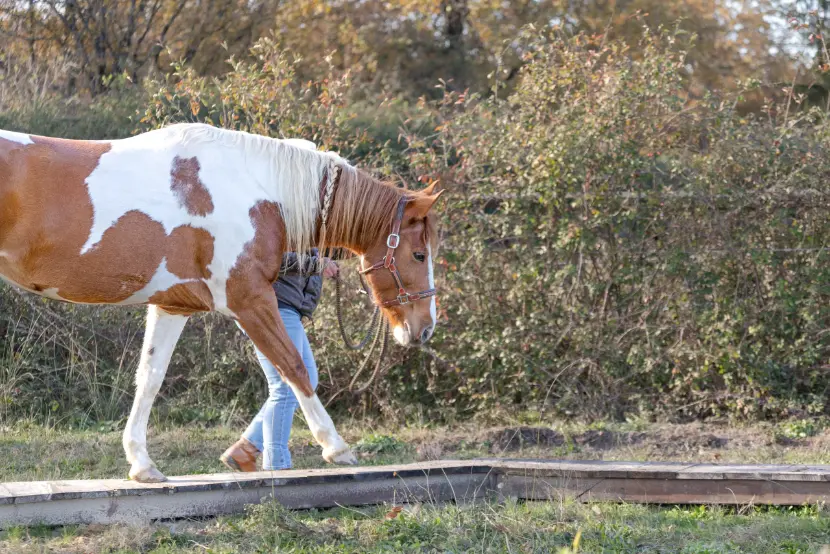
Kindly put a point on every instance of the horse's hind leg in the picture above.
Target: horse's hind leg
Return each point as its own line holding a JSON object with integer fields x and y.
{"x": 261, "y": 322}
{"x": 160, "y": 338}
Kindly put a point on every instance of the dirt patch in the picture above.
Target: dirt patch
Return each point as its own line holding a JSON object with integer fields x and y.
{"x": 606, "y": 440}
{"x": 516, "y": 438}
{"x": 676, "y": 440}
{"x": 430, "y": 451}
{"x": 787, "y": 441}
{"x": 673, "y": 439}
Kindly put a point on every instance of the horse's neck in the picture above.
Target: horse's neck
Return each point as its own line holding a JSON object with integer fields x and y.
{"x": 361, "y": 212}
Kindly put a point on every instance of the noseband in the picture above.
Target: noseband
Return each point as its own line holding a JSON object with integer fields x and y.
{"x": 388, "y": 263}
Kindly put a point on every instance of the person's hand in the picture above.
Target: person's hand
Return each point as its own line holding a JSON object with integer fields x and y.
{"x": 331, "y": 269}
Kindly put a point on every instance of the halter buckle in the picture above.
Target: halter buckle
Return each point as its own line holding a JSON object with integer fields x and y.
{"x": 403, "y": 299}
{"x": 393, "y": 237}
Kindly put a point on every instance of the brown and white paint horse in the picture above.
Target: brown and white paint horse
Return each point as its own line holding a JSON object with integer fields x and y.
{"x": 191, "y": 218}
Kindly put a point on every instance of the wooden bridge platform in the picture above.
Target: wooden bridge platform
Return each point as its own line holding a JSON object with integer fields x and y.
{"x": 121, "y": 500}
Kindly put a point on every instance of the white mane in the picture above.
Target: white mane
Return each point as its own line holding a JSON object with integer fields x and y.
{"x": 295, "y": 172}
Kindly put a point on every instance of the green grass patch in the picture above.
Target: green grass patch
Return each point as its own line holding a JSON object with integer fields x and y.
{"x": 492, "y": 528}
{"x": 36, "y": 452}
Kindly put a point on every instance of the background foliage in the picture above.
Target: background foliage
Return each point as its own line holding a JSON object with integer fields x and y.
{"x": 635, "y": 223}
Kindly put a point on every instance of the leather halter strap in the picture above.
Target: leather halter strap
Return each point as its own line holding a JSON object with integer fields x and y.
{"x": 388, "y": 262}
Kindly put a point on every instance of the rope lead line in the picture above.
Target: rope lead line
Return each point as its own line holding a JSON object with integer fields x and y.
{"x": 377, "y": 332}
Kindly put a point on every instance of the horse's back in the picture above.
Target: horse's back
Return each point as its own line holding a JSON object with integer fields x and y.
{"x": 120, "y": 221}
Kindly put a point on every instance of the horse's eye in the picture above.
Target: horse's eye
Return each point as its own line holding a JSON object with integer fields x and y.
{"x": 419, "y": 256}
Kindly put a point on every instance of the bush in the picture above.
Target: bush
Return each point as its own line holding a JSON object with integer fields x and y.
{"x": 612, "y": 247}
{"x": 31, "y": 101}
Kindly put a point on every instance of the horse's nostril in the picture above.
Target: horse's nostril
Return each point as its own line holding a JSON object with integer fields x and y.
{"x": 426, "y": 334}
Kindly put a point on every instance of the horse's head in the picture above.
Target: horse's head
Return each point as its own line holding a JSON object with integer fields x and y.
{"x": 400, "y": 272}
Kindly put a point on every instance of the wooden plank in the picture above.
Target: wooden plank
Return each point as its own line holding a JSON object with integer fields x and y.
{"x": 123, "y": 501}
{"x": 213, "y": 502}
{"x": 665, "y": 491}
{"x": 663, "y": 483}
{"x": 663, "y": 470}
{"x": 38, "y": 491}
{"x": 118, "y": 500}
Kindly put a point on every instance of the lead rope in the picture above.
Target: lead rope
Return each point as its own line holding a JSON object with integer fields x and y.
{"x": 377, "y": 332}
{"x": 370, "y": 329}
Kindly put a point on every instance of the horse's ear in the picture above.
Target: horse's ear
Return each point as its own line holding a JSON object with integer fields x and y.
{"x": 423, "y": 204}
{"x": 430, "y": 189}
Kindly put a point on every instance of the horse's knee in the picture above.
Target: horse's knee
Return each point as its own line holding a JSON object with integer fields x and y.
{"x": 299, "y": 379}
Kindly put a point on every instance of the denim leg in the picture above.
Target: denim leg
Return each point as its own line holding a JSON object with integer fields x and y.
{"x": 270, "y": 429}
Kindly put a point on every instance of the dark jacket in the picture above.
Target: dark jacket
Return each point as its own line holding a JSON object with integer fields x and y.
{"x": 299, "y": 288}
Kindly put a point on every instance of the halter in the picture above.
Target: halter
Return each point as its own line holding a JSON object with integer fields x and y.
{"x": 388, "y": 262}
{"x": 392, "y": 242}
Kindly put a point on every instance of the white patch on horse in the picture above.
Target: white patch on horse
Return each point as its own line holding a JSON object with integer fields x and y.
{"x": 161, "y": 280}
{"x": 160, "y": 338}
{"x": 433, "y": 312}
{"x": 401, "y": 334}
{"x": 53, "y": 294}
{"x": 237, "y": 169}
{"x": 335, "y": 449}
{"x": 134, "y": 176}
{"x": 20, "y": 138}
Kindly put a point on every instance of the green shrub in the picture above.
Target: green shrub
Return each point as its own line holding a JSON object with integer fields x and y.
{"x": 31, "y": 101}
{"x": 612, "y": 247}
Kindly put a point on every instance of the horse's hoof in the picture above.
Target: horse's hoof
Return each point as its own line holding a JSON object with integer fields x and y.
{"x": 147, "y": 475}
{"x": 342, "y": 457}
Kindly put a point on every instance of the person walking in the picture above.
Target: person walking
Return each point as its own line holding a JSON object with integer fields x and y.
{"x": 298, "y": 292}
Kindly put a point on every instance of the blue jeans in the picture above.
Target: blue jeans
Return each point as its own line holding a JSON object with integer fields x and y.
{"x": 270, "y": 429}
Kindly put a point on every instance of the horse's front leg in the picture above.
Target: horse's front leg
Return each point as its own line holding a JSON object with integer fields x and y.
{"x": 260, "y": 320}
{"x": 160, "y": 338}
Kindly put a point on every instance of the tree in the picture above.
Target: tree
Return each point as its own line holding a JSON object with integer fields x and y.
{"x": 112, "y": 37}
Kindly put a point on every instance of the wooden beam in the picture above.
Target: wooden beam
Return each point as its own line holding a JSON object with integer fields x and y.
{"x": 124, "y": 501}
{"x": 119, "y": 501}
{"x": 660, "y": 483}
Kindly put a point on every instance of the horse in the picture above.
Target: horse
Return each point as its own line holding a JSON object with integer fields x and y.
{"x": 192, "y": 218}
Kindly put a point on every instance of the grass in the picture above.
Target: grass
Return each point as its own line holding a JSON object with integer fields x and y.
{"x": 530, "y": 527}
{"x": 34, "y": 452}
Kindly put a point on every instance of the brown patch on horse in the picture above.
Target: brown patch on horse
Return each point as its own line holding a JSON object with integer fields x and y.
{"x": 188, "y": 188}
{"x": 184, "y": 299}
{"x": 9, "y": 211}
{"x": 189, "y": 252}
{"x": 51, "y": 220}
{"x": 124, "y": 261}
{"x": 262, "y": 256}
{"x": 46, "y": 216}
{"x": 251, "y": 297}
